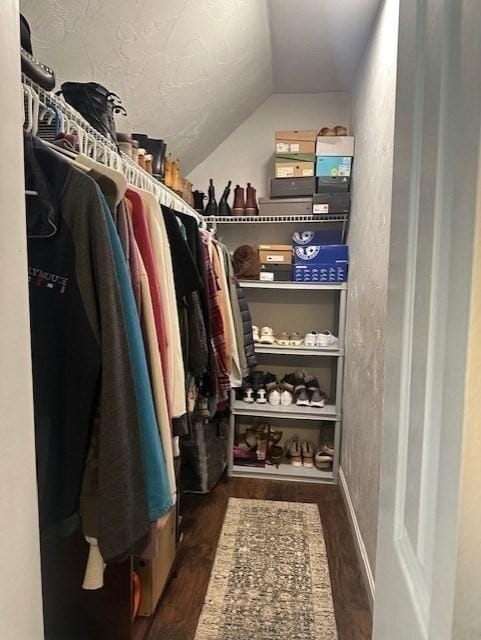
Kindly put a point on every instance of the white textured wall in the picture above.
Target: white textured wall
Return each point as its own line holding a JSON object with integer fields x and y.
{"x": 373, "y": 125}
{"x": 247, "y": 154}
{"x": 188, "y": 71}
{"x": 20, "y": 592}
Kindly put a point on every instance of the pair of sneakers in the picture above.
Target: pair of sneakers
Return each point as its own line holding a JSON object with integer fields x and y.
{"x": 264, "y": 336}
{"x": 305, "y": 389}
{"x": 300, "y": 452}
{"x": 257, "y": 387}
{"x": 321, "y": 339}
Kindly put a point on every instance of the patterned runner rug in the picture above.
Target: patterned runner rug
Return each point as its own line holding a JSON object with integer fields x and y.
{"x": 270, "y": 579}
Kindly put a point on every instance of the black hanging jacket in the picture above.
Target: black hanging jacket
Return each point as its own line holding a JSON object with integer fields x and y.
{"x": 80, "y": 356}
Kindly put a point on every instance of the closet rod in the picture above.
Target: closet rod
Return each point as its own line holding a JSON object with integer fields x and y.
{"x": 99, "y": 148}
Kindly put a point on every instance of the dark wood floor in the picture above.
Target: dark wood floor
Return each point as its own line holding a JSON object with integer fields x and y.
{"x": 178, "y": 612}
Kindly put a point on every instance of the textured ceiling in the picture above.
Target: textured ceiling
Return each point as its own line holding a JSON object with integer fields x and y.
{"x": 188, "y": 71}
{"x": 191, "y": 71}
{"x": 317, "y": 44}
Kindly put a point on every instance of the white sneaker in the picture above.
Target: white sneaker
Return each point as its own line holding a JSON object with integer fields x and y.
{"x": 310, "y": 339}
{"x": 255, "y": 333}
{"x": 267, "y": 336}
{"x": 286, "y": 398}
{"x": 274, "y": 397}
{"x": 248, "y": 395}
{"x": 326, "y": 339}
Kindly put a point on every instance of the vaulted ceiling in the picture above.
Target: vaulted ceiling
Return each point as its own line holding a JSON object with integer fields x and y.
{"x": 191, "y": 71}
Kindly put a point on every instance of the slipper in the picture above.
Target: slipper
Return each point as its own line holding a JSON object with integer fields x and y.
{"x": 295, "y": 339}
{"x": 283, "y": 339}
{"x": 267, "y": 336}
{"x": 255, "y": 333}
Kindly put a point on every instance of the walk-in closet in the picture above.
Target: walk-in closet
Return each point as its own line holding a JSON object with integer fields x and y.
{"x": 202, "y": 316}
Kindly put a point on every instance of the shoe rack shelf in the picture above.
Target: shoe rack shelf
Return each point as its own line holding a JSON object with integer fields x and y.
{"x": 292, "y": 412}
{"x": 286, "y": 471}
{"x": 294, "y": 286}
{"x": 294, "y": 219}
{"x": 277, "y": 349}
{"x": 287, "y": 294}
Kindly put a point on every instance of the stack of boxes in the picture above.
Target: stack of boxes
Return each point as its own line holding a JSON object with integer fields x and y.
{"x": 295, "y": 161}
{"x": 334, "y": 156}
{"x": 313, "y": 176}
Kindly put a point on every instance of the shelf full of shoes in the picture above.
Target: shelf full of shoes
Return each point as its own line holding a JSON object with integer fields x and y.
{"x": 292, "y": 406}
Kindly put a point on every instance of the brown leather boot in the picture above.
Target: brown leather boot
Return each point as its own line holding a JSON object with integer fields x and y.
{"x": 169, "y": 174}
{"x": 251, "y": 201}
{"x": 238, "y": 208}
{"x": 177, "y": 178}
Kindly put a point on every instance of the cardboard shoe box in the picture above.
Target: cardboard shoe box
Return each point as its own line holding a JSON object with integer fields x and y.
{"x": 330, "y": 203}
{"x": 276, "y": 272}
{"x": 286, "y": 168}
{"x": 333, "y": 166}
{"x": 275, "y": 253}
{"x": 332, "y": 184}
{"x": 335, "y": 146}
{"x": 324, "y": 263}
{"x": 296, "y": 141}
{"x": 154, "y": 573}
{"x": 292, "y": 188}
{"x": 285, "y": 206}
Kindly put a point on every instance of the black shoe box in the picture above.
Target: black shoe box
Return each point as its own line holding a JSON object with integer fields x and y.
{"x": 292, "y": 187}
{"x": 333, "y": 184}
{"x": 331, "y": 203}
{"x": 276, "y": 272}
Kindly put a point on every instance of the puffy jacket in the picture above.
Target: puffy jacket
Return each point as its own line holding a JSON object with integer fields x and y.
{"x": 247, "y": 324}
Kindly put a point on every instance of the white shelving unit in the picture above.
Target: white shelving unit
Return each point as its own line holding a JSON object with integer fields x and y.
{"x": 311, "y": 417}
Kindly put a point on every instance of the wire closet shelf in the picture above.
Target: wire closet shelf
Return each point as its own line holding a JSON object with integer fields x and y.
{"x": 96, "y": 146}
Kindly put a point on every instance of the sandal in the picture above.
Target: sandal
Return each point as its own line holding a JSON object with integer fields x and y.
{"x": 267, "y": 336}
{"x": 249, "y": 441}
{"x": 307, "y": 454}
{"x": 293, "y": 447}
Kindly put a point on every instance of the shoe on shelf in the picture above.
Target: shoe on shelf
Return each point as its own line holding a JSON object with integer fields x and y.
{"x": 302, "y": 397}
{"x": 340, "y": 131}
{"x": 275, "y": 452}
{"x": 286, "y": 397}
{"x": 310, "y": 339}
{"x": 317, "y": 397}
{"x": 328, "y": 449}
{"x": 261, "y": 395}
{"x": 295, "y": 339}
{"x": 270, "y": 381}
{"x": 327, "y": 131}
{"x": 274, "y": 396}
{"x": 255, "y": 333}
{"x": 283, "y": 339}
{"x": 248, "y": 393}
{"x": 294, "y": 451}
{"x": 267, "y": 336}
{"x": 321, "y": 460}
{"x": 300, "y": 392}
{"x": 307, "y": 449}
{"x": 326, "y": 339}
{"x": 288, "y": 382}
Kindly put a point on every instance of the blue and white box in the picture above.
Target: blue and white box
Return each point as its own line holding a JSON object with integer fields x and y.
{"x": 319, "y": 263}
{"x": 333, "y": 166}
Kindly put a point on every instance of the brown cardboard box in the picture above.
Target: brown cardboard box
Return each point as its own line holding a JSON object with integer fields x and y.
{"x": 294, "y": 169}
{"x": 296, "y": 141}
{"x": 154, "y": 573}
{"x": 275, "y": 253}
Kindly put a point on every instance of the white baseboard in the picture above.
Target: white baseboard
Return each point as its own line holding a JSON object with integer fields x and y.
{"x": 359, "y": 542}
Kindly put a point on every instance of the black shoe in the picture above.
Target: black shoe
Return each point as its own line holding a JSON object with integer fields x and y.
{"x": 224, "y": 208}
{"x": 258, "y": 379}
{"x": 288, "y": 382}
{"x": 270, "y": 381}
{"x": 157, "y": 148}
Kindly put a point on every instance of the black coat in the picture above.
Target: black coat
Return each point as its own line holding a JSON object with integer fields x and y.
{"x": 249, "y": 347}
